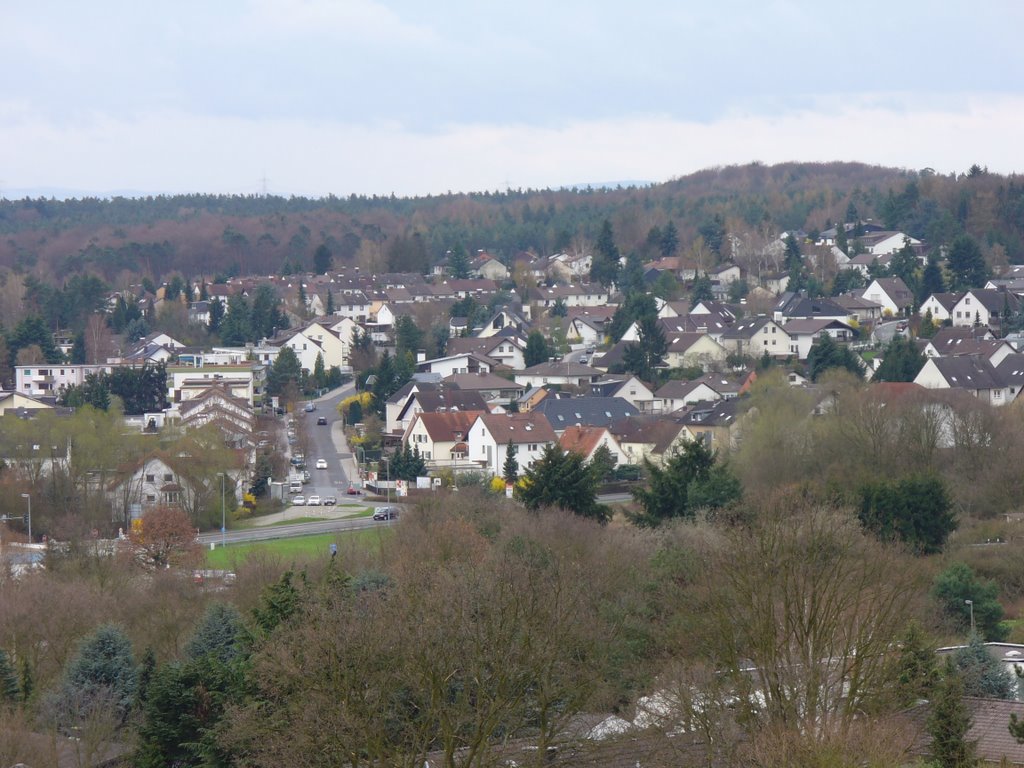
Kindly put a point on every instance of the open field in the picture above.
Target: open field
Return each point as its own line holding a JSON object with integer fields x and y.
{"x": 298, "y": 548}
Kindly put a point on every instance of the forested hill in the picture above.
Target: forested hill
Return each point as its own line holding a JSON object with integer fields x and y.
{"x": 216, "y": 234}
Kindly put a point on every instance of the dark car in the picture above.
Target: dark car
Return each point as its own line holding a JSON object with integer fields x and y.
{"x": 386, "y": 513}
{"x": 321, "y": 421}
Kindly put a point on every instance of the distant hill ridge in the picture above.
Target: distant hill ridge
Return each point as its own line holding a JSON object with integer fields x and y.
{"x": 206, "y": 234}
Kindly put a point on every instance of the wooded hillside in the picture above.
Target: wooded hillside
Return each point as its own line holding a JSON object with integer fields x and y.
{"x": 211, "y": 234}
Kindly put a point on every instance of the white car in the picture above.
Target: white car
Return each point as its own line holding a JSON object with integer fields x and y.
{"x": 313, "y": 501}
{"x": 298, "y": 501}
{"x": 321, "y": 463}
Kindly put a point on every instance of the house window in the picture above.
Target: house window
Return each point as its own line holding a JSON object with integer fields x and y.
{"x": 773, "y": 329}
{"x": 150, "y": 478}
{"x": 532, "y": 447}
{"x": 168, "y": 477}
{"x": 967, "y": 300}
{"x": 150, "y": 497}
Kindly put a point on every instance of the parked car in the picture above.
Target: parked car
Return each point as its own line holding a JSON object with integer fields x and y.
{"x": 386, "y": 513}
{"x": 321, "y": 421}
{"x": 298, "y": 501}
{"x": 321, "y": 463}
{"x": 353, "y": 491}
{"x": 330, "y": 501}
{"x": 313, "y": 501}
{"x": 305, "y": 476}
{"x": 310, "y": 407}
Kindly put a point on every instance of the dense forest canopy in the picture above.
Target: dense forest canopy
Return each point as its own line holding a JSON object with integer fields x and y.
{"x": 225, "y": 234}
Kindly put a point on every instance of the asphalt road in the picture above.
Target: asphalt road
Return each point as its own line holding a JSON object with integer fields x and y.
{"x": 290, "y": 531}
{"x": 326, "y": 442}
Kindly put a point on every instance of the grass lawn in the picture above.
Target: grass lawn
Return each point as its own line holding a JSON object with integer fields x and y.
{"x": 298, "y": 548}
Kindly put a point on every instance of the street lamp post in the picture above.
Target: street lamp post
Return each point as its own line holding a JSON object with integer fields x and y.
{"x": 970, "y": 604}
{"x": 28, "y": 498}
{"x": 387, "y": 467}
{"x": 223, "y": 513}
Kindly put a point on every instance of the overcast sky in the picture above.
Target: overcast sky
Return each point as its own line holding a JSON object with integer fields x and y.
{"x": 313, "y": 97}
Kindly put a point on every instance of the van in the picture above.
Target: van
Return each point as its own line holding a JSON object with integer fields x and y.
{"x": 295, "y": 485}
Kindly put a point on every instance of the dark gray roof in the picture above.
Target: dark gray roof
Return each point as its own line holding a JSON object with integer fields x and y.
{"x": 968, "y": 372}
{"x": 996, "y": 301}
{"x": 716, "y": 413}
{"x": 745, "y": 329}
{"x": 1011, "y": 371}
{"x": 588, "y": 411}
{"x": 805, "y": 307}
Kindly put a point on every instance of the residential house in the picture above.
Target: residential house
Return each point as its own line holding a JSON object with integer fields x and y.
{"x": 589, "y": 295}
{"x": 625, "y": 386}
{"x": 185, "y": 382}
{"x": 969, "y": 373}
{"x": 891, "y": 293}
{"x": 648, "y": 437}
{"x": 677, "y": 393}
{"x": 441, "y": 438}
{"x": 155, "y": 480}
{"x": 693, "y": 350}
{"x": 305, "y": 347}
{"x": 940, "y": 305}
{"x": 494, "y": 389}
{"x": 506, "y": 317}
{"x": 859, "y": 310}
{"x": 22, "y": 404}
{"x": 1011, "y": 373}
{"x": 438, "y": 399}
{"x": 352, "y": 305}
{"x": 215, "y": 405}
{"x": 775, "y": 282}
{"x": 464, "y": 362}
{"x": 380, "y": 321}
{"x": 587, "y": 410}
{"x": 885, "y": 243}
{"x": 757, "y": 336}
{"x": 491, "y": 434}
{"x": 987, "y": 732}
{"x": 862, "y": 262}
{"x": 586, "y": 440}
{"x": 983, "y": 307}
{"x": 334, "y": 344}
{"x": 199, "y": 312}
{"x": 706, "y": 308}
{"x": 586, "y": 330}
{"x": 563, "y": 373}
{"x": 797, "y": 306}
{"x": 714, "y": 422}
{"x": 948, "y": 343}
{"x": 505, "y": 350}
{"x": 725, "y": 274}
{"x": 490, "y": 268}
{"x": 150, "y": 353}
{"x": 49, "y": 379}
{"x": 709, "y": 387}
{"x": 530, "y": 398}
{"x": 803, "y": 334}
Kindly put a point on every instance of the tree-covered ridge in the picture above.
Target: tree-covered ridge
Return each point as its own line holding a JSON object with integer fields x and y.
{"x": 226, "y": 234}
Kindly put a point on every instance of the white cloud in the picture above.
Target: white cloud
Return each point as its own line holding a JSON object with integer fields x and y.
{"x": 173, "y": 151}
